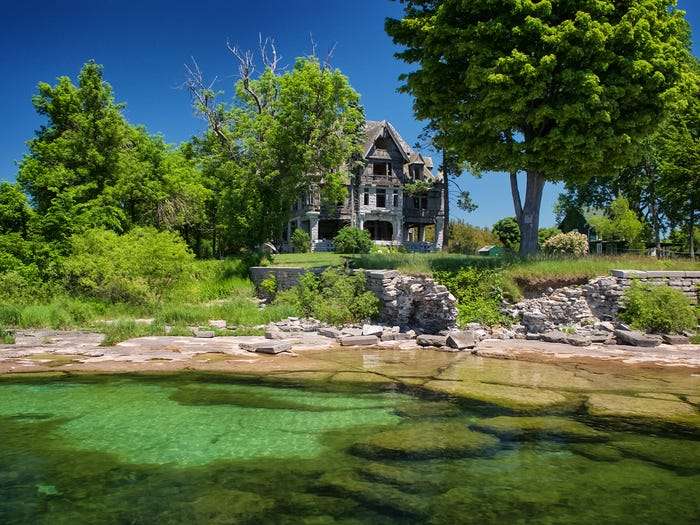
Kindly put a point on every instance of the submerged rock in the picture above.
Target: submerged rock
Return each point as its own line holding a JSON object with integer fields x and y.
{"x": 539, "y": 427}
{"x": 427, "y": 409}
{"x": 647, "y": 409}
{"x": 400, "y": 476}
{"x": 377, "y": 495}
{"x": 677, "y": 454}
{"x": 512, "y": 397}
{"x": 597, "y": 451}
{"x": 231, "y": 506}
{"x": 426, "y": 440}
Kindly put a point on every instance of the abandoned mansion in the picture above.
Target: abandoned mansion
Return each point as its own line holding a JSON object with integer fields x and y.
{"x": 378, "y": 200}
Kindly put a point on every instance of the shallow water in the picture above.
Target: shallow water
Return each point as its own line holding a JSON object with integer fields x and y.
{"x": 198, "y": 449}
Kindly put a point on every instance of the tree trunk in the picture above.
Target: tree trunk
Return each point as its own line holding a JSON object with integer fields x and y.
{"x": 528, "y": 216}
{"x": 446, "y": 165}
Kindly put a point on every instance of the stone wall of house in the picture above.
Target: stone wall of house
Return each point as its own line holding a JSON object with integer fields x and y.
{"x": 598, "y": 300}
{"x": 407, "y": 301}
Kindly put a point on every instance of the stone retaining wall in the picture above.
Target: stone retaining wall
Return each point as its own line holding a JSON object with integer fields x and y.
{"x": 598, "y": 300}
{"x": 407, "y": 301}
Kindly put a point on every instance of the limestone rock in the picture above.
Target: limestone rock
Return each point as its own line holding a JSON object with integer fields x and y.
{"x": 370, "y": 329}
{"x": 205, "y": 334}
{"x": 217, "y": 323}
{"x": 331, "y": 332}
{"x": 273, "y": 347}
{"x": 635, "y": 338}
{"x": 359, "y": 340}
{"x": 431, "y": 340}
{"x": 675, "y": 339}
{"x": 461, "y": 339}
{"x": 539, "y": 427}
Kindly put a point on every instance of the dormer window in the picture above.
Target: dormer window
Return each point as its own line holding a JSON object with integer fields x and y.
{"x": 380, "y": 169}
{"x": 417, "y": 171}
{"x": 380, "y": 143}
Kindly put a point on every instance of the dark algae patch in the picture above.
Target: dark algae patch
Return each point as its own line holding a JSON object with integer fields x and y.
{"x": 187, "y": 449}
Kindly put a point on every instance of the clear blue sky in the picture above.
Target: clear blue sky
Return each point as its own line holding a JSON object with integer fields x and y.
{"x": 144, "y": 44}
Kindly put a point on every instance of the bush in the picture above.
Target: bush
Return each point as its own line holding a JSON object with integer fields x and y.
{"x": 301, "y": 241}
{"x": 139, "y": 267}
{"x": 333, "y": 297}
{"x": 479, "y": 294}
{"x": 508, "y": 232}
{"x": 660, "y": 309}
{"x": 352, "y": 240}
{"x": 573, "y": 244}
{"x": 544, "y": 234}
{"x": 465, "y": 238}
{"x": 268, "y": 287}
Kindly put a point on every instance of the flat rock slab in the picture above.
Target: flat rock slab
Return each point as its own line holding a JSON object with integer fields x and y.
{"x": 431, "y": 340}
{"x": 333, "y": 333}
{"x": 272, "y": 347}
{"x": 673, "y": 339}
{"x": 370, "y": 329}
{"x": 461, "y": 340}
{"x": 635, "y": 338}
{"x": 556, "y": 336}
{"x": 359, "y": 340}
{"x": 203, "y": 334}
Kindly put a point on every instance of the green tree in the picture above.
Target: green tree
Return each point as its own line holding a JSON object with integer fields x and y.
{"x": 465, "y": 238}
{"x": 508, "y": 233}
{"x": 88, "y": 167}
{"x": 558, "y": 90}
{"x": 620, "y": 223}
{"x": 284, "y": 134}
{"x": 15, "y": 212}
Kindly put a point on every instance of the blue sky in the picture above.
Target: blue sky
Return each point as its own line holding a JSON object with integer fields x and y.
{"x": 143, "y": 46}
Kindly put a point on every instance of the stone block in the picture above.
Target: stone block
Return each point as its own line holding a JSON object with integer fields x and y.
{"x": 461, "y": 339}
{"x": 275, "y": 334}
{"x": 675, "y": 339}
{"x": 431, "y": 340}
{"x": 635, "y": 338}
{"x": 370, "y": 329}
{"x": 204, "y": 334}
{"x": 217, "y": 323}
{"x": 359, "y": 340}
{"x": 333, "y": 333}
{"x": 265, "y": 347}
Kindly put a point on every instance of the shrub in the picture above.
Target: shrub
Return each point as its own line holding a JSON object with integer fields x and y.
{"x": 465, "y": 238}
{"x": 301, "y": 241}
{"x": 6, "y": 337}
{"x": 139, "y": 267}
{"x": 333, "y": 297}
{"x": 508, "y": 232}
{"x": 479, "y": 294}
{"x": 352, "y": 240}
{"x": 657, "y": 309}
{"x": 268, "y": 286}
{"x": 573, "y": 244}
{"x": 544, "y": 234}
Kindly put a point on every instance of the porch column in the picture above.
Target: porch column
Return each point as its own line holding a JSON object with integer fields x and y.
{"x": 398, "y": 231}
{"x": 439, "y": 233}
{"x": 313, "y": 229}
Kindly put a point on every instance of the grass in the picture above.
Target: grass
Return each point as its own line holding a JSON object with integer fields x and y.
{"x": 308, "y": 260}
{"x": 6, "y": 337}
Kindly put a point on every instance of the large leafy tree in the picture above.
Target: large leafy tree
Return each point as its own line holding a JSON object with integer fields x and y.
{"x": 285, "y": 133}
{"x": 15, "y": 212}
{"x": 88, "y": 167}
{"x": 559, "y": 90}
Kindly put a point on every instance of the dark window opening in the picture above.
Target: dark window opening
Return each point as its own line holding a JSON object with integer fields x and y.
{"x": 366, "y": 197}
{"x": 420, "y": 203}
{"x": 379, "y": 230}
{"x": 380, "y": 143}
{"x": 395, "y": 199}
{"x": 417, "y": 172}
{"x": 381, "y": 198}
{"x": 379, "y": 168}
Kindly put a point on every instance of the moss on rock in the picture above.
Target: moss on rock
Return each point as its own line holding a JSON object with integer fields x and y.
{"x": 425, "y": 440}
{"x": 511, "y": 397}
{"x": 540, "y": 427}
{"x": 427, "y": 409}
{"x": 677, "y": 454}
{"x": 400, "y": 476}
{"x": 597, "y": 451}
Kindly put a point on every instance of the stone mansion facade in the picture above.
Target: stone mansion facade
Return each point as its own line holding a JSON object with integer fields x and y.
{"x": 376, "y": 198}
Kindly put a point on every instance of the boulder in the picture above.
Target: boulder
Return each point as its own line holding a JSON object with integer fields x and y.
{"x": 265, "y": 347}
{"x": 635, "y": 338}
{"x": 370, "y": 329}
{"x": 675, "y": 339}
{"x": 331, "y": 332}
{"x": 461, "y": 339}
{"x": 556, "y": 336}
{"x": 205, "y": 334}
{"x": 351, "y": 330}
{"x": 431, "y": 340}
{"x": 275, "y": 334}
{"x": 359, "y": 340}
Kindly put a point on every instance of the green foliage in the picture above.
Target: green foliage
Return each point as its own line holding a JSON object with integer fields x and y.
{"x": 15, "y": 212}
{"x": 546, "y": 233}
{"x": 333, "y": 297}
{"x": 123, "y": 329}
{"x": 352, "y": 240}
{"x": 301, "y": 241}
{"x": 418, "y": 187}
{"x": 508, "y": 232}
{"x": 283, "y": 135}
{"x": 139, "y": 267}
{"x": 268, "y": 286}
{"x": 621, "y": 223}
{"x": 559, "y": 90}
{"x": 479, "y": 293}
{"x": 658, "y": 309}
{"x": 6, "y": 337}
{"x": 572, "y": 244}
{"x": 465, "y": 238}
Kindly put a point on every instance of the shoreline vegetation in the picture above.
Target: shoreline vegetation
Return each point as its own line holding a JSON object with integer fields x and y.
{"x": 221, "y": 289}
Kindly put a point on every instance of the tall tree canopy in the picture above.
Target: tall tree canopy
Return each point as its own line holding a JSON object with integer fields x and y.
{"x": 283, "y": 134}
{"x": 560, "y": 90}
{"x": 88, "y": 167}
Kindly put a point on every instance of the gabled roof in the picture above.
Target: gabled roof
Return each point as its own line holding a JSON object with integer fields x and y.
{"x": 375, "y": 128}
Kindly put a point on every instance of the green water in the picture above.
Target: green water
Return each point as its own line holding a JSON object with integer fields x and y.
{"x": 195, "y": 450}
